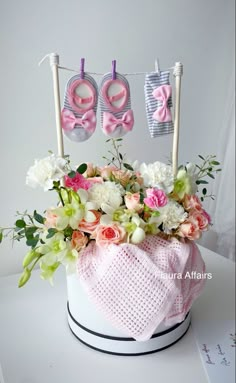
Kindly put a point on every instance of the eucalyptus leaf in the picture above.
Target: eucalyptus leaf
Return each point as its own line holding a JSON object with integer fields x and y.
{"x": 202, "y": 158}
{"x": 198, "y": 182}
{"x": 82, "y": 168}
{"x": 127, "y": 166}
{"x": 210, "y": 175}
{"x": 38, "y": 217}
{"x": 72, "y": 174}
{"x": 20, "y": 223}
{"x": 204, "y": 191}
{"x": 51, "y": 232}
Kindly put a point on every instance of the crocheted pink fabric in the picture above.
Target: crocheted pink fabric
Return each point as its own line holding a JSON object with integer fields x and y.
{"x": 134, "y": 285}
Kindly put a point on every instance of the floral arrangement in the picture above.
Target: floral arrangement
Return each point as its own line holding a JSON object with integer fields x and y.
{"x": 115, "y": 203}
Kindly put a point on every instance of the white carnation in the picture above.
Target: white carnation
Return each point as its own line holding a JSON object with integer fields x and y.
{"x": 171, "y": 215}
{"x": 157, "y": 175}
{"x": 45, "y": 171}
{"x": 107, "y": 192}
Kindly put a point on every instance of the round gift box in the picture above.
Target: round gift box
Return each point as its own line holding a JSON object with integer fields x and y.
{"x": 90, "y": 328}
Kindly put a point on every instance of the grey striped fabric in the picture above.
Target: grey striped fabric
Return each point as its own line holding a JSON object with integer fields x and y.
{"x": 79, "y": 134}
{"x": 119, "y": 132}
{"x": 152, "y": 81}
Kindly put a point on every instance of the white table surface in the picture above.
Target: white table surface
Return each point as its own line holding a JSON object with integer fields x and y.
{"x": 36, "y": 345}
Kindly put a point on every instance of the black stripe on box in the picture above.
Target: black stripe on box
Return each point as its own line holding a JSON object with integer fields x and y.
{"x": 120, "y": 338}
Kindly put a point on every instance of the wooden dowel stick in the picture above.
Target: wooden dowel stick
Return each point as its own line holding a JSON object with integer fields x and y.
{"x": 178, "y": 71}
{"x": 54, "y": 62}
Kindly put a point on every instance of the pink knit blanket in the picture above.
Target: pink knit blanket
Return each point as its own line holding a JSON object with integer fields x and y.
{"x": 137, "y": 287}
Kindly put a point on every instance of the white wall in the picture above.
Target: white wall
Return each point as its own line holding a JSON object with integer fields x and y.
{"x": 199, "y": 33}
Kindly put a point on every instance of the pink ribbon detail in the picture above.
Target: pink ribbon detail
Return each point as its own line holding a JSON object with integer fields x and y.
{"x": 163, "y": 113}
{"x": 110, "y": 122}
{"x": 88, "y": 120}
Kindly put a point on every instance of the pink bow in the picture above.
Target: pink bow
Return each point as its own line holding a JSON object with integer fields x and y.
{"x": 110, "y": 122}
{"x": 88, "y": 120}
{"x": 163, "y": 113}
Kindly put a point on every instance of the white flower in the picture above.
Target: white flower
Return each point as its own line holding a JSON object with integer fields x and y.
{"x": 192, "y": 172}
{"x": 171, "y": 215}
{"x": 45, "y": 171}
{"x": 157, "y": 175}
{"x": 108, "y": 193}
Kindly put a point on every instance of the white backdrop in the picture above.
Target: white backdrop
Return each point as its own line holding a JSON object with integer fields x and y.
{"x": 200, "y": 33}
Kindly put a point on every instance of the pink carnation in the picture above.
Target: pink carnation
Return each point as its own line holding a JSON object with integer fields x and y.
{"x": 155, "y": 198}
{"x": 77, "y": 182}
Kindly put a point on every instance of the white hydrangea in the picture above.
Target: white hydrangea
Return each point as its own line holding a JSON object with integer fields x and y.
{"x": 45, "y": 171}
{"x": 108, "y": 193}
{"x": 157, "y": 175}
{"x": 171, "y": 215}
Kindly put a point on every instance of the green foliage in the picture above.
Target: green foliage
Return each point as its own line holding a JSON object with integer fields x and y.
{"x": 82, "y": 168}
{"x": 207, "y": 168}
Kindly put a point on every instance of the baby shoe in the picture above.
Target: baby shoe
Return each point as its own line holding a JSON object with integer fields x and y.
{"x": 158, "y": 102}
{"x": 116, "y": 115}
{"x": 78, "y": 116}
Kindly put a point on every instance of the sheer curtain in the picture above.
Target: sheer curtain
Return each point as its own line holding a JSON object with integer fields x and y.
{"x": 223, "y": 209}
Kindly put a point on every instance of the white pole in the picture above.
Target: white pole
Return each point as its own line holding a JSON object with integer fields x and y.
{"x": 178, "y": 72}
{"x": 54, "y": 62}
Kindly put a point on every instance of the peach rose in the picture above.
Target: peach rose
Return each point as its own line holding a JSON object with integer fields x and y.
{"x": 95, "y": 180}
{"x": 79, "y": 240}
{"x": 123, "y": 176}
{"x": 199, "y": 219}
{"x": 91, "y": 170}
{"x": 89, "y": 227}
{"x": 106, "y": 171}
{"x": 192, "y": 202}
{"x": 189, "y": 230}
{"x": 132, "y": 201}
{"x": 51, "y": 219}
{"x": 105, "y": 235}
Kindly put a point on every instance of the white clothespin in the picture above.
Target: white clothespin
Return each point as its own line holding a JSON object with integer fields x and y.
{"x": 157, "y": 66}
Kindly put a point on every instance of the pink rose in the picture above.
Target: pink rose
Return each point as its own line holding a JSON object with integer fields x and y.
{"x": 208, "y": 217}
{"x": 132, "y": 201}
{"x": 77, "y": 182}
{"x": 155, "y": 198}
{"x": 89, "y": 227}
{"x": 51, "y": 219}
{"x": 192, "y": 202}
{"x": 189, "y": 230}
{"x": 79, "y": 240}
{"x": 198, "y": 219}
{"x": 105, "y": 235}
{"x": 95, "y": 180}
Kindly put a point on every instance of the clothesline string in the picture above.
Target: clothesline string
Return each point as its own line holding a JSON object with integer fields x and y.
{"x": 124, "y": 74}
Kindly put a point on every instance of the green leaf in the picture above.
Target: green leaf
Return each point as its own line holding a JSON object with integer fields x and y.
{"x": 72, "y": 174}
{"x": 1, "y": 236}
{"x": 202, "y": 158}
{"x": 20, "y": 223}
{"x": 51, "y": 233}
{"x": 56, "y": 184}
{"x": 82, "y": 168}
{"x": 29, "y": 231}
{"x": 129, "y": 167}
{"x": 32, "y": 242}
{"x": 202, "y": 199}
{"x": 108, "y": 140}
{"x": 119, "y": 139}
{"x": 210, "y": 175}
{"x": 120, "y": 155}
{"x": 25, "y": 276}
{"x": 218, "y": 170}
{"x": 204, "y": 191}
{"x": 198, "y": 182}
{"x": 215, "y": 163}
{"x": 39, "y": 218}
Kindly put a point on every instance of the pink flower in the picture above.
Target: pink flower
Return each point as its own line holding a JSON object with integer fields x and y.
{"x": 95, "y": 180}
{"x": 91, "y": 170}
{"x": 106, "y": 171}
{"x": 208, "y": 217}
{"x": 199, "y": 219}
{"x": 123, "y": 176}
{"x": 77, "y": 182}
{"x": 192, "y": 202}
{"x": 189, "y": 230}
{"x": 132, "y": 201}
{"x": 51, "y": 219}
{"x": 155, "y": 198}
{"x": 105, "y": 235}
{"x": 89, "y": 227}
{"x": 79, "y": 240}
